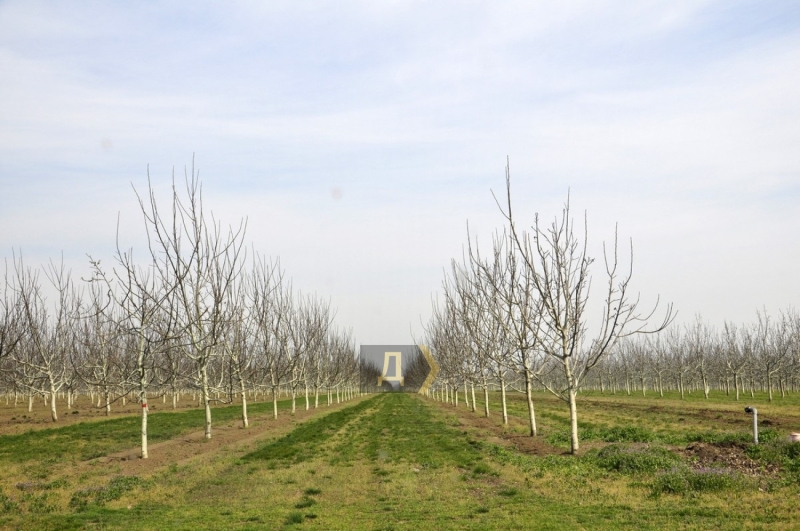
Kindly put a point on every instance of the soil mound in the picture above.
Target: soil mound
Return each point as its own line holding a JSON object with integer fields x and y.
{"x": 727, "y": 455}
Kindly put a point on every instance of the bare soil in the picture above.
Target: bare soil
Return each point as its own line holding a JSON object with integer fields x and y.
{"x": 726, "y": 455}
{"x": 14, "y": 420}
{"x": 193, "y": 445}
{"x": 492, "y": 430}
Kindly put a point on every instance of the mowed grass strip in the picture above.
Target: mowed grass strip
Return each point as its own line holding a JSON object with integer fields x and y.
{"x": 403, "y": 429}
{"x": 86, "y": 440}
{"x": 304, "y": 442}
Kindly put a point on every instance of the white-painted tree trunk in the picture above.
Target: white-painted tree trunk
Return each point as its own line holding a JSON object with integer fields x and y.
{"x": 503, "y": 399}
{"x": 245, "y": 422}
{"x": 107, "y": 395}
{"x": 143, "y": 394}
{"x": 485, "y": 397}
{"x": 472, "y": 387}
{"x": 206, "y": 401}
{"x": 53, "y": 412}
{"x": 529, "y": 398}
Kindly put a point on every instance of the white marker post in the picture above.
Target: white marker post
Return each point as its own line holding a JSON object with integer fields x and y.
{"x": 754, "y": 411}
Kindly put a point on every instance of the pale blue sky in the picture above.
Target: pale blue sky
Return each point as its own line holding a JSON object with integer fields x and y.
{"x": 679, "y": 120}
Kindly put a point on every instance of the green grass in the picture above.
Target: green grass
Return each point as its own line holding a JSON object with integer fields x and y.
{"x": 668, "y": 420}
{"x": 305, "y": 441}
{"x": 398, "y": 461}
{"x": 86, "y": 440}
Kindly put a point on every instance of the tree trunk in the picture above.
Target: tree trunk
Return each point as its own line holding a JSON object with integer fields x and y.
{"x": 107, "y": 396}
{"x": 769, "y": 385}
{"x": 474, "y": 407}
{"x": 206, "y": 401}
{"x": 573, "y": 422}
{"x": 245, "y": 422}
{"x": 503, "y": 399}
{"x": 53, "y": 413}
{"x": 529, "y": 397}
{"x": 143, "y": 393}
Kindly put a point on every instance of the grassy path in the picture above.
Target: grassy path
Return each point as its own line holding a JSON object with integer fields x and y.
{"x": 396, "y": 462}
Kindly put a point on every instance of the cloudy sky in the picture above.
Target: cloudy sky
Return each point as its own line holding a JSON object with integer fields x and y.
{"x": 358, "y": 138}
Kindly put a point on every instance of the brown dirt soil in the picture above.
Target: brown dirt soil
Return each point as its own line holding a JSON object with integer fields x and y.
{"x": 15, "y": 420}
{"x": 731, "y": 413}
{"x": 192, "y": 445}
{"x": 492, "y": 430}
{"x": 727, "y": 455}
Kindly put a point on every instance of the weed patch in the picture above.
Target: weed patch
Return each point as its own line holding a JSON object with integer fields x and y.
{"x": 635, "y": 460}
{"x": 294, "y": 518}
{"x": 683, "y": 480}
{"x": 98, "y": 496}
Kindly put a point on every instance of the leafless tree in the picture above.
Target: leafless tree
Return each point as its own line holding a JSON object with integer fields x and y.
{"x": 48, "y": 328}
{"x": 203, "y": 261}
{"x": 559, "y": 267}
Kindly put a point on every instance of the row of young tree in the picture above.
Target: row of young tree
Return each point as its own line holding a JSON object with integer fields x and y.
{"x": 763, "y": 356}
{"x": 516, "y": 319}
{"x": 195, "y": 315}
{"x": 517, "y": 316}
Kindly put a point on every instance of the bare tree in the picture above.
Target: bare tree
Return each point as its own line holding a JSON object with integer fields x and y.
{"x": 270, "y": 307}
{"x": 559, "y": 267}
{"x": 515, "y": 312}
{"x": 48, "y": 329}
{"x": 773, "y": 346}
{"x": 11, "y": 329}
{"x": 101, "y": 342}
{"x": 204, "y": 262}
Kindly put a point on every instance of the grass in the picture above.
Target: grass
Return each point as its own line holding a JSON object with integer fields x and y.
{"x": 305, "y": 441}
{"x": 668, "y": 420}
{"x": 398, "y": 461}
{"x": 86, "y": 440}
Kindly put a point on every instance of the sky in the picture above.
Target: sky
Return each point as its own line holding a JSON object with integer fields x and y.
{"x": 358, "y": 139}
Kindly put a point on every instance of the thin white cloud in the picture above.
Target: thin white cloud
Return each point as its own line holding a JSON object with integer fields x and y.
{"x": 678, "y": 120}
